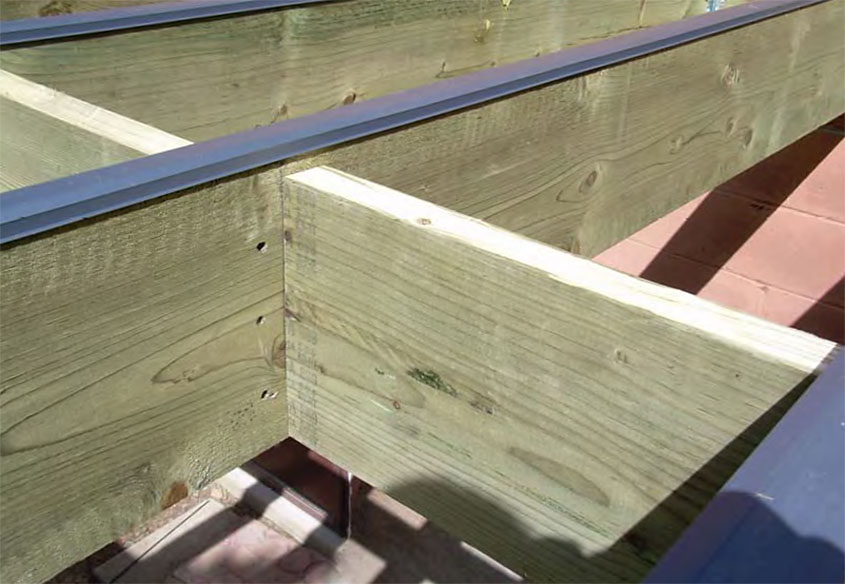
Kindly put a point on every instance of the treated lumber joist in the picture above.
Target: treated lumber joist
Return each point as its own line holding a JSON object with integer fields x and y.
{"x": 578, "y": 148}
{"x": 45, "y": 135}
{"x": 141, "y": 356}
{"x": 584, "y": 163}
{"x": 565, "y": 418}
{"x": 208, "y": 78}
{"x": 16, "y": 9}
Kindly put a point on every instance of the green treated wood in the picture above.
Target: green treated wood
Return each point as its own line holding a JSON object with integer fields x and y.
{"x": 24, "y": 159}
{"x": 205, "y": 79}
{"x": 649, "y": 11}
{"x": 567, "y": 419}
{"x": 141, "y": 356}
{"x": 584, "y": 163}
{"x": 46, "y": 135}
{"x": 84, "y": 299}
{"x": 14, "y": 9}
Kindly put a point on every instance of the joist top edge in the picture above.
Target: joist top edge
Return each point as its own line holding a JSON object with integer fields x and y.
{"x": 39, "y": 208}
{"x": 59, "y": 27}
{"x": 138, "y": 136}
{"x": 797, "y": 349}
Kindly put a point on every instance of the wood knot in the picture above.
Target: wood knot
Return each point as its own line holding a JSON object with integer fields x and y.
{"x": 279, "y": 352}
{"x": 56, "y": 7}
{"x": 676, "y": 145}
{"x": 620, "y": 356}
{"x": 481, "y": 33}
{"x": 281, "y": 112}
{"x": 176, "y": 492}
{"x": 589, "y": 181}
{"x": 730, "y": 76}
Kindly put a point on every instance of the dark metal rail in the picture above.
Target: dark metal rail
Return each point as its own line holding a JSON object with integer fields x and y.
{"x": 34, "y": 209}
{"x": 32, "y": 30}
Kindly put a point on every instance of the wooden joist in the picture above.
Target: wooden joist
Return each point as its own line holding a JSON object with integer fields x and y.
{"x": 584, "y": 163}
{"x": 48, "y": 135}
{"x": 647, "y": 11}
{"x": 567, "y": 419}
{"x": 141, "y": 355}
{"x": 204, "y": 79}
{"x": 459, "y": 366}
{"x": 15, "y": 9}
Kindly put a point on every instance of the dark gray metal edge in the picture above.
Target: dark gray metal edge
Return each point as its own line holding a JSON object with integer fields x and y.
{"x": 38, "y": 208}
{"x": 32, "y": 30}
{"x": 781, "y": 517}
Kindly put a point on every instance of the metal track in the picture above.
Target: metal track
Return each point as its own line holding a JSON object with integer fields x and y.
{"x": 34, "y": 209}
{"x": 33, "y": 30}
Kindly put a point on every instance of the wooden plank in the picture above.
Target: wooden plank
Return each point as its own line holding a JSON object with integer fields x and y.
{"x": 782, "y": 515}
{"x": 565, "y": 418}
{"x": 650, "y": 11}
{"x": 206, "y": 79}
{"x": 14, "y": 9}
{"x": 584, "y": 163}
{"x": 141, "y": 356}
{"x": 33, "y": 209}
{"x": 47, "y": 134}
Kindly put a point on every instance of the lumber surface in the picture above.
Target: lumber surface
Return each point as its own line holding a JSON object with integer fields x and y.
{"x": 584, "y": 163}
{"x": 45, "y": 134}
{"x": 206, "y": 79}
{"x": 14, "y": 9}
{"x": 565, "y": 418}
{"x": 141, "y": 356}
{"x": 782, "y": 515}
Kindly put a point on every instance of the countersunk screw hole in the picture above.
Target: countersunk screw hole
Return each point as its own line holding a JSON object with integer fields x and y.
{"x": 261, "y": 247}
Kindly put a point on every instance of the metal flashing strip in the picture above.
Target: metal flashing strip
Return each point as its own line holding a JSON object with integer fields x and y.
{"x": 38, "y": 208}
{"x": 32, "y": 30}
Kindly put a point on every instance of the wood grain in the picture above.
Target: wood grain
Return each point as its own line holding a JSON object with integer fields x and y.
{"x": 141, "y": 356}
{"x": 15, "y": 9}
{"x": 47, "y": 134}
{"x": 584, "y": 163}
{"x": 565, "y": 418}
{"x": 206, "y": 79}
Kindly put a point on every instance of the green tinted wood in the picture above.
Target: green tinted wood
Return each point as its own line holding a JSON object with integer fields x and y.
{"x": 567, "y": 419}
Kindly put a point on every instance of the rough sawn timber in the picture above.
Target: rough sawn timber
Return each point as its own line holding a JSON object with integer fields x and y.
{"x": 567, "y": 419}
{"x": 209, "y": 78}
{"x": 141, "y": 356}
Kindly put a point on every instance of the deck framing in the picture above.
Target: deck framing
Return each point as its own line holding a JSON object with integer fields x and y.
{"x": 181, "y": 305}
